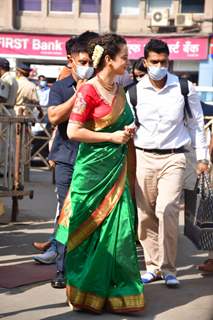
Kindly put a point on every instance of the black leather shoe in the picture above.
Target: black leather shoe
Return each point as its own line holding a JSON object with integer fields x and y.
{"x": 59, "y": 281}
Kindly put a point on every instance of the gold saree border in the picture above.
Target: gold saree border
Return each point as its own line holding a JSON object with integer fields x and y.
{"x": 66, "y": 212}
{"x": 95, "y": 303}
{"x": 126, "y": 303}
{"x": 84, "y": 300}
{"x": 100, "y": 213}
{"x": 118, "y": 107}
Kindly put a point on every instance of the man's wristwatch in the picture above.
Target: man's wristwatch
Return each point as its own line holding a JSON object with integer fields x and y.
{"x": 204, "y": 161}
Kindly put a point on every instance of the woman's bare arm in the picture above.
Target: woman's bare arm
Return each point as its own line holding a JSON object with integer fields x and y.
{"x": 79, "y": 133}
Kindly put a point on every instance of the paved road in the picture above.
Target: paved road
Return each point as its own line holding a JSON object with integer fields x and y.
{"x": 192, "y": 301}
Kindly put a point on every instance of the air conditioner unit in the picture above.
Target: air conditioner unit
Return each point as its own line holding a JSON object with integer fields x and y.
{"x": 183, "y": 20}
{"x": 160, "y": 18}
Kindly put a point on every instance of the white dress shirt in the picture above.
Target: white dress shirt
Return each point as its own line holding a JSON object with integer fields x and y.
{"x": 161, "y": 117}
{"x": 43, "y": 96}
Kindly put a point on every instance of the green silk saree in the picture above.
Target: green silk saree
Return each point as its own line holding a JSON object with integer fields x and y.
{"x": 97, "y": 224}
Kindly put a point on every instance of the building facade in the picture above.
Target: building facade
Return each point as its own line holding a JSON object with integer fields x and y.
{"x": 34, "y": 31}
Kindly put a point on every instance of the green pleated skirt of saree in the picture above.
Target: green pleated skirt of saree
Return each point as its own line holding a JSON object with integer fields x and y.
{"x": 97, "y": 224}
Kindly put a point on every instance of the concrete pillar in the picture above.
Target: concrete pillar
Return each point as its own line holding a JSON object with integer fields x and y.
{"x": 143, "y": 15}
{"x": 106, "y": 16}
{"x": 207, "y": 26}
{"x": 10, "y": 15}
{"x": 7, "y": 14}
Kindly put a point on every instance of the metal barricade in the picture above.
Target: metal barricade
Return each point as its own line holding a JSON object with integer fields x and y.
{"x": 39, "y": 138}
{"x": 14, "y": 150}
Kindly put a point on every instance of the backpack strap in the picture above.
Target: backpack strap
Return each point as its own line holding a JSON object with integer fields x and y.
{"x": 133, "y": 95}
{"x": 184, "y": 91}
{"x": 133, "y": 99}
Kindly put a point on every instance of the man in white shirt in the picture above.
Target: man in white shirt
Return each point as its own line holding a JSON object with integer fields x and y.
{"x": 160, "y": 139}
{"x": 43, "y": 91}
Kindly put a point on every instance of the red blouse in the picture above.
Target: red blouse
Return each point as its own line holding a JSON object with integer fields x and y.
{"x": 89, "y": 105}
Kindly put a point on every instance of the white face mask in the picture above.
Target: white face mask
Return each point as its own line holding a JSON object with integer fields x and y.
{"x": 84, "y": 72}
{"x": 42, "y": 83}
{"x": 157, "y": 73}
{"x": 138, "y": 78}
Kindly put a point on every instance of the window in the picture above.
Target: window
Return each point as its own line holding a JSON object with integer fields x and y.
{"x": 29, "y": 5}
{"x": 61, "y": 5}
{"x": 126, "y": 7}
{"x": 89, "y": 6}
{"x": 195, "y": 6}
{"x": 155, "y": 5}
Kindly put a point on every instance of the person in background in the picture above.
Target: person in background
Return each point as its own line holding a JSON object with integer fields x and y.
{"x": 160, "y": 154}
{"x": 207, "y": 266}
{"x": 40, "y": 129}
{"x": 138, "y": 70}
{"x": 43, "y": 91}
{"x": 10, "y": 80}
{"x": 27, "y": 91}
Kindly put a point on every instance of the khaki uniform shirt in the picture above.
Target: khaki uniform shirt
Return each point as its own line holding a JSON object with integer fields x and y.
{"x": 13, "y": 88}
{"x": 26, "y": 92}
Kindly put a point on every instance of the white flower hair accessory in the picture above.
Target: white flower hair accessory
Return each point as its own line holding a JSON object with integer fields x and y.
{"x": 96, "y": 56}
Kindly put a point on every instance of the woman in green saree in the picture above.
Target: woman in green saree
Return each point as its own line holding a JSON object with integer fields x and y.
{"x": 97, "y": 220}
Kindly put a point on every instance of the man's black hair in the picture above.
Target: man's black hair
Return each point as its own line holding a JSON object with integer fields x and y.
{"x": 41, "y": 76}
{"x": 87, "y": 36}
{"x": 69, "y": 45}
{"x": 80, "y": 44}
{"x": 156, "y": 45}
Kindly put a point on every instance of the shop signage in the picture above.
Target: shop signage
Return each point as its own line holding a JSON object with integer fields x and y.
{"x": 54, "y": 46}
{"x": 33, "y": 45}
{"x": 180, "y": 48}
{"x": 211, "y": 48}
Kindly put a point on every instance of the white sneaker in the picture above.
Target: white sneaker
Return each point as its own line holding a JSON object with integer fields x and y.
{"x": 171, "y": 281}
{"x": 48, "y": 257}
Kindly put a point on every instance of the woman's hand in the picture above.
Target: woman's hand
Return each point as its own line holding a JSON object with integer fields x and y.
{"x": 131, "y": 129}
{"x": 120, "y": 137}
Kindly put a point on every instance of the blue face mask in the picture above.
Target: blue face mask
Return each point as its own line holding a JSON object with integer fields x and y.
{"x": 157, "y": 73}
{"x": 84, "y": 72}
{"x": 42, "y": 84}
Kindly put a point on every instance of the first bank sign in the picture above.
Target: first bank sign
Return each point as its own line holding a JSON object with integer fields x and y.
{"x": 49, "y": 46}
{"x": 32, "y": 45}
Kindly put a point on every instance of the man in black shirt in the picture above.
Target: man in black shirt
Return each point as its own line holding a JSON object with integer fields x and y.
{"x": 64, "y": 151}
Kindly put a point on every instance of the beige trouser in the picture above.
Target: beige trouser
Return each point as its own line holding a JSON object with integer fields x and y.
{"x": 159, "y": 183}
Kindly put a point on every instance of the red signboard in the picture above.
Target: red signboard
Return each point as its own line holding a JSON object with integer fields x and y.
{"x": 180, "y": 48}
{"x": 33, "y": 45}
{"x": 54, "y": 46}
{"x": 211, "y": 47}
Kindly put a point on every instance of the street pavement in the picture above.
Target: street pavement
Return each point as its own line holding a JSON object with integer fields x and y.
{"x": 39, "y": 301}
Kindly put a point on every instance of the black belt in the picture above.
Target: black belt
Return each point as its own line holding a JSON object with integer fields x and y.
{"x": 163, "y": 151}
